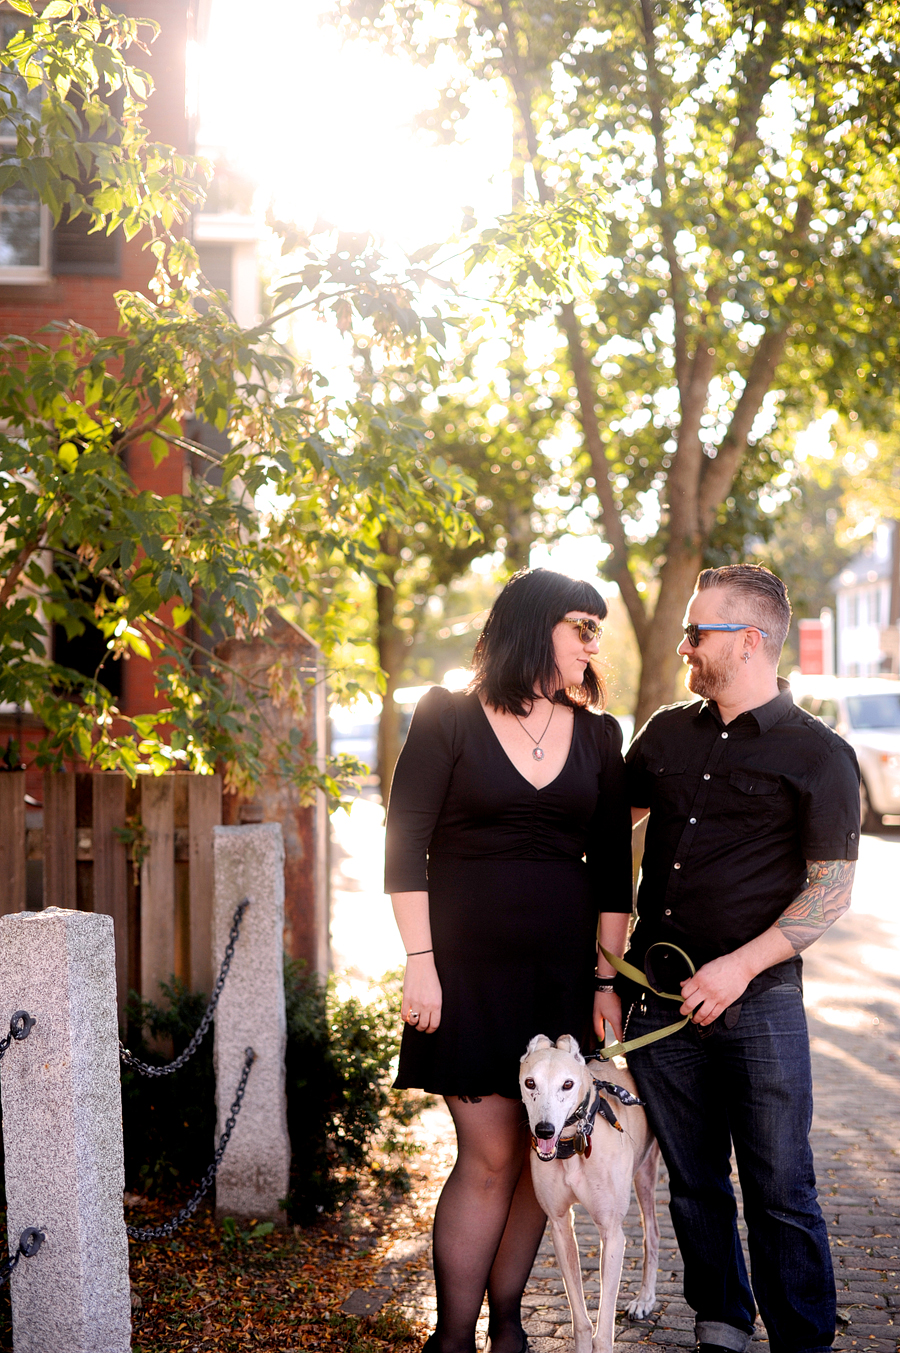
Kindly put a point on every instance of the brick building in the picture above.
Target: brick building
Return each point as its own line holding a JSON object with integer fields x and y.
{"x": 57, "y": 273}
{"x": 64, "y": 273}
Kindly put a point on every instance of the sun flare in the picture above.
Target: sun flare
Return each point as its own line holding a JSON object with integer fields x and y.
{"x": 327, "y": 130}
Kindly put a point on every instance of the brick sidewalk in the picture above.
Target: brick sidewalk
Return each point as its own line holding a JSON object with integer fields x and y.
{"x": 855, "y": 1028}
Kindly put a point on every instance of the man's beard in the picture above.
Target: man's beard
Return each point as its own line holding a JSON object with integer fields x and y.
{"x": 714, "y": 677}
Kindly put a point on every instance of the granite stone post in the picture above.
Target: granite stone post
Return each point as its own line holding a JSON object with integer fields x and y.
{"x": 62, "y": 1133}
{"x": 285, "y": 648}
{"x": 249, "y": 862}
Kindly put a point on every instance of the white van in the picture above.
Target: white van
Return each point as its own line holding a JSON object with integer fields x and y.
{"x": 865, "y": 711}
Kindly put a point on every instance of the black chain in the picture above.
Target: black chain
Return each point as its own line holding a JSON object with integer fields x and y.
{"x": 30, "y": 1241}
{"x": 143, "y": 1067}
{"x": 20, "y": 1026}
{"x": 170, "y": 1227}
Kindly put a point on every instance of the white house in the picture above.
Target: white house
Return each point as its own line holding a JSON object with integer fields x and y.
{"x": 867, "y": 604}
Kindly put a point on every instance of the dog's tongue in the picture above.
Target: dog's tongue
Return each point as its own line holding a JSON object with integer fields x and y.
{"x": 547, "y": 1148}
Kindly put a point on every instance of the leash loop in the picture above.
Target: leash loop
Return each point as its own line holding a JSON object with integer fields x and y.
{"x": 640, "y": 979}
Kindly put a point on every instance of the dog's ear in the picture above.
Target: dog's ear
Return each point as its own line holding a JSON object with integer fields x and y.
{"x": 570, "y": 1045}
{"x": 537, "y": 1043}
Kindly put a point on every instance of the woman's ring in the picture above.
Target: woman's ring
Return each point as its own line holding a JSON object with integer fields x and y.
{"x": 413, "y": 1014}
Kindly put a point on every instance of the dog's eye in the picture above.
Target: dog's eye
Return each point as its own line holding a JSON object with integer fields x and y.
{"x": 529, "y": 1084}
{"x": 567, "y": 1085}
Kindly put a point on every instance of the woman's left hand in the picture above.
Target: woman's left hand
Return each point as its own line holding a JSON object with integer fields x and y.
{"x": 607, "y": 1010}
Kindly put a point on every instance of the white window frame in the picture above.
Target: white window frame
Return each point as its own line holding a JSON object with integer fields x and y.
{"x": 31, "y": 274}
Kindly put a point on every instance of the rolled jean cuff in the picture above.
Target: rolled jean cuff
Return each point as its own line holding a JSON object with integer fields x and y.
{"x": 723, "y": 1336}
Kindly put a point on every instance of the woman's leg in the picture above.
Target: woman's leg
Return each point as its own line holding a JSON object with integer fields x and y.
{"x": 471, "y": 1219}
{"x": 514, "y": 1262}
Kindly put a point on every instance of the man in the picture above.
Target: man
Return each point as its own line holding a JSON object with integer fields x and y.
{"x": 752, "y": 835}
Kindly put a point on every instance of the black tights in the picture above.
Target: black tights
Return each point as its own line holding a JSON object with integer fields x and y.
{"x": 487, "y": 1226}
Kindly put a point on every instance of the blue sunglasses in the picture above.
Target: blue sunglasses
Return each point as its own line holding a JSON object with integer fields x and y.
{"x": 693, "y": 633}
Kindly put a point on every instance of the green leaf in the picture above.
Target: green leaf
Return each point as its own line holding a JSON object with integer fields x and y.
{"x": 424, "y": 255}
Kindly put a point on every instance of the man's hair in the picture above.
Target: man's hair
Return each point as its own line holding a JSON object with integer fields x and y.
{"x": 753, "y": 593}
{"x": 514, "y": 653}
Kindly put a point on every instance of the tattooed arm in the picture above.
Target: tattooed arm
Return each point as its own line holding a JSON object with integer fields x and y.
{"x": 823, "y": 898}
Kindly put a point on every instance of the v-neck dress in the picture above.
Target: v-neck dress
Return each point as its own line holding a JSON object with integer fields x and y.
{"x": 516, "y": 878}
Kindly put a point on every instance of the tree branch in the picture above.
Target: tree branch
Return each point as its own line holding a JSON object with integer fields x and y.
{"x": 144, "y": 429}
{"x": 523, "y": 101}
{"x": 677, "y": 287}
{"x": 15, "y": 573}
{"x": 105, "y": 576}
{"x": 683, "y": 479}
{"x": 718, "y": 475}
{"x": 612, "y": 521}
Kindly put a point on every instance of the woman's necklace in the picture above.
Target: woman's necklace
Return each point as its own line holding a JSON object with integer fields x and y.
{"x": 537, "y": 750}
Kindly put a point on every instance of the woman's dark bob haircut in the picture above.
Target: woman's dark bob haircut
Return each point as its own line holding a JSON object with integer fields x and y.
{"x": 514, "y": 654}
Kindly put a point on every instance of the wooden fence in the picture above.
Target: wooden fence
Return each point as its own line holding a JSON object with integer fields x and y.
{"x": 141, "y": 854}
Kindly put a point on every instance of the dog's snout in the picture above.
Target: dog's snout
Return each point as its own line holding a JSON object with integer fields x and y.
{"x": 545, "y": 1131}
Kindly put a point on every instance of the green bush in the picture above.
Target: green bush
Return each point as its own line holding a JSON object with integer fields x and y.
{"x": 345, "y": 1122}
{"x": 169, "y": 1122}
{"x": 343, "y": 1117}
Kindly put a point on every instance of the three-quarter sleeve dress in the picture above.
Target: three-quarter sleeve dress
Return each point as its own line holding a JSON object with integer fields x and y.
{"x": 516, "y": 878}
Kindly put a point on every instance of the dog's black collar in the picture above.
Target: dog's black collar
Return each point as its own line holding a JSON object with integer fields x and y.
{"x": 579, "y": 1144}
{"x": 580, "y": 1112}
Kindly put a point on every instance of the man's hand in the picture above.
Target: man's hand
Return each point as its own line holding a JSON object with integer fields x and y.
{"x": 715, "y": 986}
{"x": 825, "y": 896}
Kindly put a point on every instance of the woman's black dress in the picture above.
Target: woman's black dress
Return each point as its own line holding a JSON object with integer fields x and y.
{"x": 513, "y": 902}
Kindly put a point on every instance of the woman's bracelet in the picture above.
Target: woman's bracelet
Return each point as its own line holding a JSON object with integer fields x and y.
{"x": 420, "y": 951}
{"x": 604, "y": 984}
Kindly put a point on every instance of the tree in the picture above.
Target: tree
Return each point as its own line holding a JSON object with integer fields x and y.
{"x": 748, "y": 152}
{"x": 871, "y": 465}
{"x": 807, "y": 546}
{"x": 506, "y": 465}
{"x": 79, "y": 544}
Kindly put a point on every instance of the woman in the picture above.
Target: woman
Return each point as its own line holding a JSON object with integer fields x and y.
{"x": 498, "y": 793}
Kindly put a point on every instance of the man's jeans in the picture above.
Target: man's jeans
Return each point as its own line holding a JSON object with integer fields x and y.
{"x": 750, "y": 1085}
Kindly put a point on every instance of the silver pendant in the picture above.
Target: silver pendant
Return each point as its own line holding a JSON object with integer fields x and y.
{"x": 538, "y": 754}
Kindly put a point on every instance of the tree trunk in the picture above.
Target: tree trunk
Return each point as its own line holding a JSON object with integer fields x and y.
{"x": 660, "y": 663}
{"x": 390, "y": 656}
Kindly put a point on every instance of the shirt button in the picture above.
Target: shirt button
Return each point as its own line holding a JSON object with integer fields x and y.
{"x": 853, "y": 836}
{"x": 668, "y": 913}
{"x": 706, "y": 777}
{"x": 693, "y": 820}
{"x": 724, "y": 735}
{"x": 676, "y": 866}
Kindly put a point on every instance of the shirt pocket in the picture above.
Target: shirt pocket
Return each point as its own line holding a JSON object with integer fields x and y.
{"x": 750, "y": 804}
{"x": 667, "y": 783}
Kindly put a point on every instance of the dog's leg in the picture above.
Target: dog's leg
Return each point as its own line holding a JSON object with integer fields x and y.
{"x": 612, "y": 1253}
{"x": 562, "y": 1225}
{"x": 645, "y": 1188}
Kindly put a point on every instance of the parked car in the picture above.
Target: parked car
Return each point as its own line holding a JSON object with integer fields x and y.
{"x": 865, "y": 711}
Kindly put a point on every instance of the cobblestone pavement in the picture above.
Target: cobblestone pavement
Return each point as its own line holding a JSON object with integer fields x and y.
{"x": 852, "y": 988}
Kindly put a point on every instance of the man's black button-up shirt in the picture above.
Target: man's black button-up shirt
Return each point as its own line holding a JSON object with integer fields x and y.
{"x": 736, "y": 812}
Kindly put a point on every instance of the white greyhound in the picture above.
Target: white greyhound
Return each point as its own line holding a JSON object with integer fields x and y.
{"x": 581, "y": 1152}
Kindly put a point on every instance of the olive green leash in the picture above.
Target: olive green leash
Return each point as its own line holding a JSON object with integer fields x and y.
{"x": 635, "y": 975}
